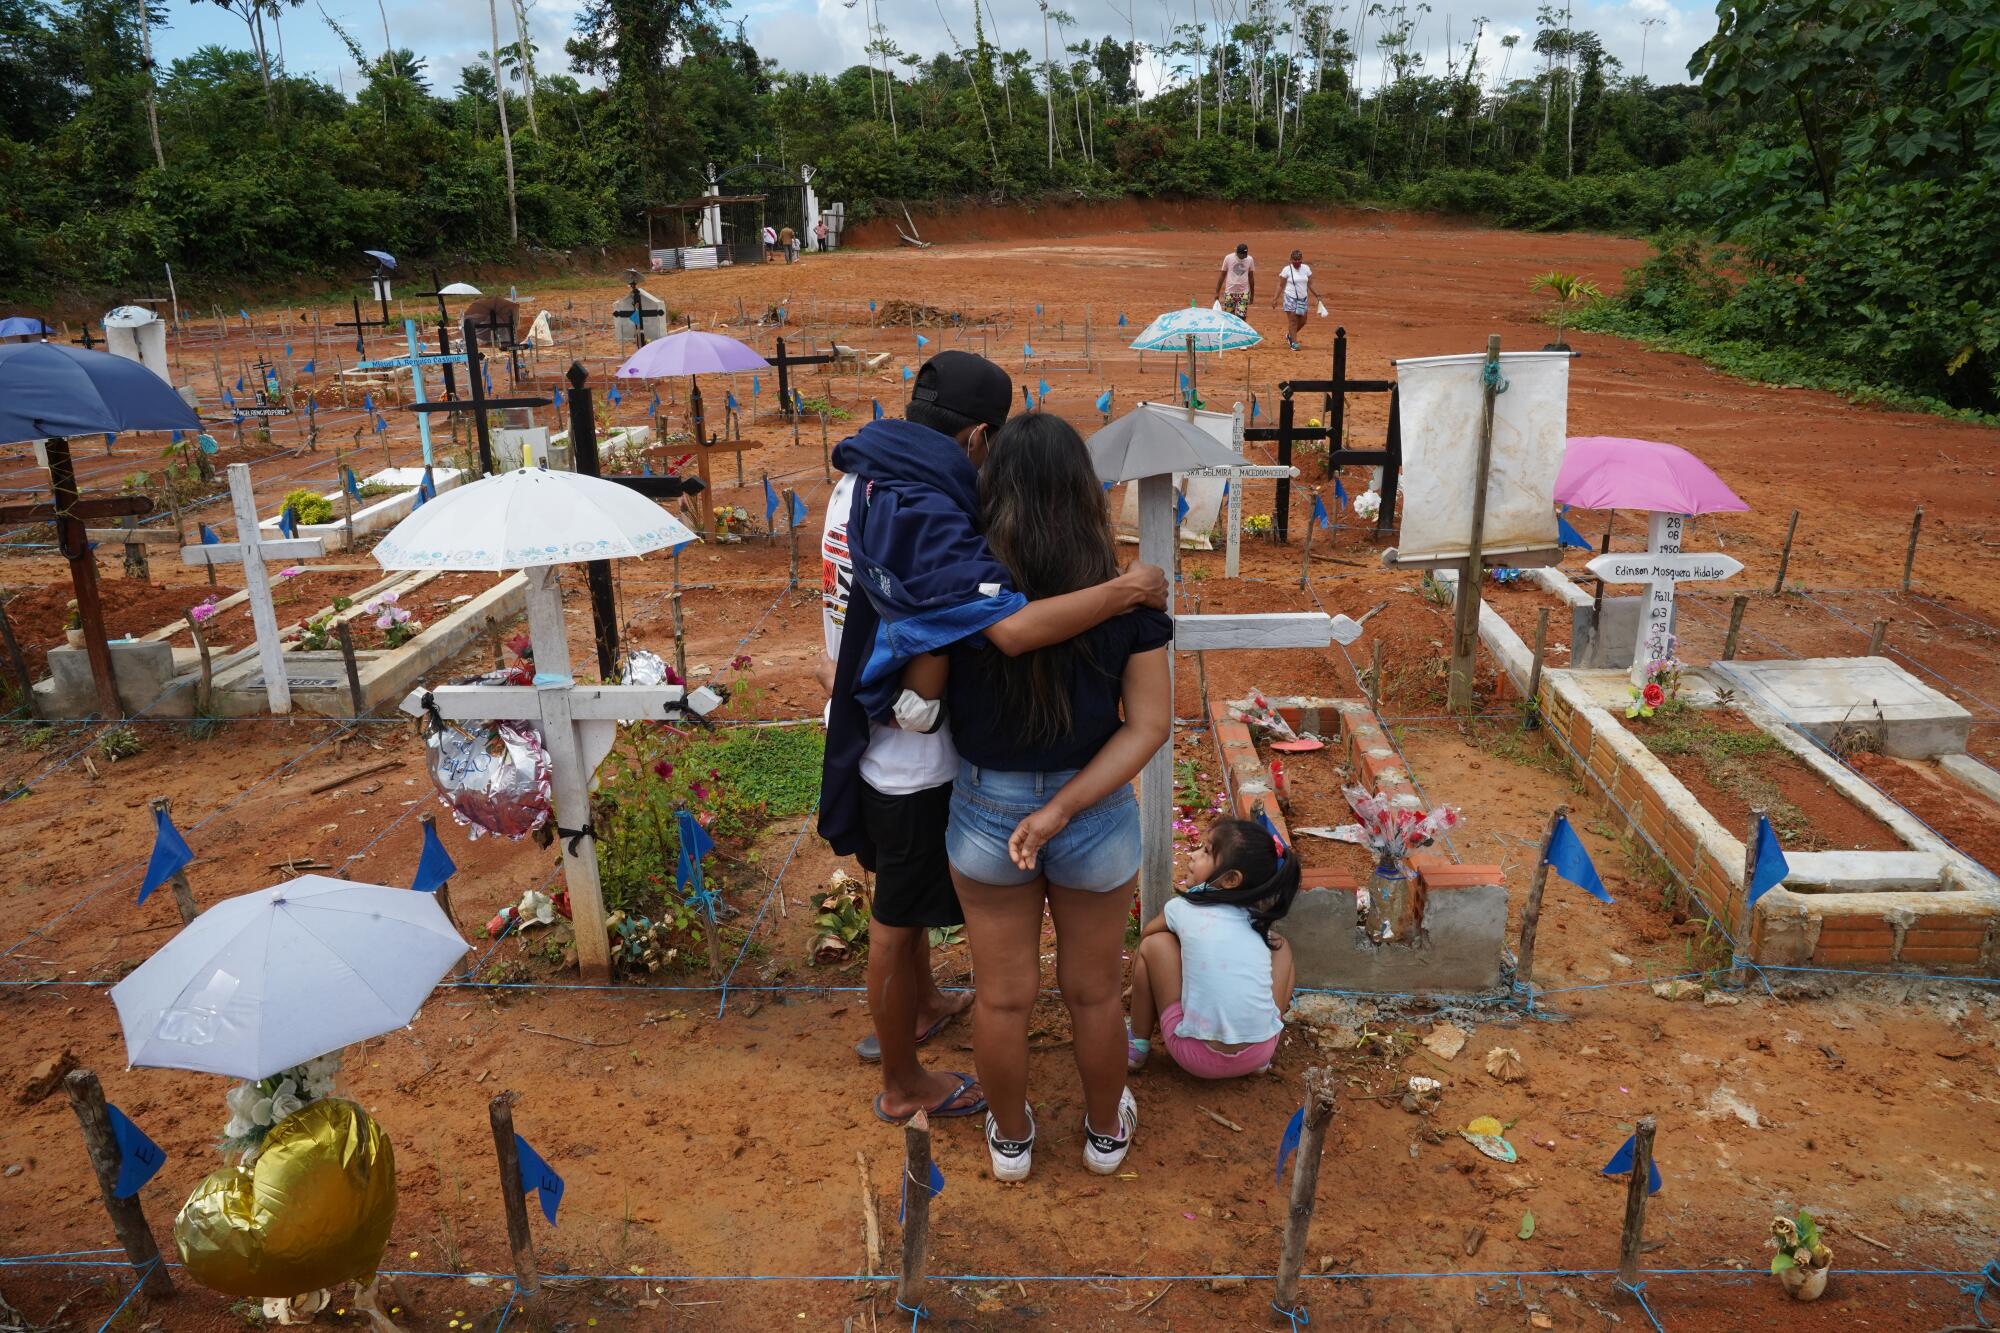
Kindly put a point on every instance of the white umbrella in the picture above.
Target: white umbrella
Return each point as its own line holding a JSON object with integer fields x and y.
{"x": 530, "y": 516}
{"x": 1156, "y": 438}
{"x": 459, "y": 289}
{"x": 268, "y": 980}
{"x": 1212, "y": 331}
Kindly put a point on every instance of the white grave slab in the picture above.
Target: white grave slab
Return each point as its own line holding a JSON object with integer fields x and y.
{"x": 1823, "y": 695}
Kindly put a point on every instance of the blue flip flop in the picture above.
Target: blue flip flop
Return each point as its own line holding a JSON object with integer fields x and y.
{"x": 869, "y": 1048}
{"x": 944, "y": 1110}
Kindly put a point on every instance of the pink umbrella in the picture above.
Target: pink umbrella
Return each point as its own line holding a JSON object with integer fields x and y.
{"x": 1607, "y": 472}
{"x": 690, "y": 352}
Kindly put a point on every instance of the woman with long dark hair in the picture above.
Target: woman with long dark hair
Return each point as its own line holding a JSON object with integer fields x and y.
{"x": 1042, "y": 811}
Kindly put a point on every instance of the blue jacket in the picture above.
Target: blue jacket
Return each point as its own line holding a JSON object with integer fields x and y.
{"x": 919, "y": 563}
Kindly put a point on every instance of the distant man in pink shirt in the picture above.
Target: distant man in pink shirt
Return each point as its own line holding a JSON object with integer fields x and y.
{"x": 1236, "y": 284}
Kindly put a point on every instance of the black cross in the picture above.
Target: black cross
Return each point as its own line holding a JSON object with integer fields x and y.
{"x": 444, "y": 334}
{"x": 784, "y": 363}
{"x": 358, "y": 324}
{"x": 638, "y": 314}
{"x": 86, "y": 342}
{"x": 477, "y": 403}
{"x": 1389, "y": 457}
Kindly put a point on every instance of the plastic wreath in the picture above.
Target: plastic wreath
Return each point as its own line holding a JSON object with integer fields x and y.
{"x": 1391, "y": 831}
{"x": 254, "y": 1107}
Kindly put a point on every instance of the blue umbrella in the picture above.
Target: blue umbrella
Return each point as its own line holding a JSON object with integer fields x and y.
{"x": 47, "y": 389}
{"x": 382, "y": 257}
{"x": 21, "y": 326}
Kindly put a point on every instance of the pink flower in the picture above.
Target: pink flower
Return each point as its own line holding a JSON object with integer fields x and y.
{"x": 662, "y": 769}
{"x": 1654, "y": 695}
{"x": 291, "y": 572}
{"x": 202, "y": 613}
{"x": 739, "y": 662}
{"x": 699, "y": 792}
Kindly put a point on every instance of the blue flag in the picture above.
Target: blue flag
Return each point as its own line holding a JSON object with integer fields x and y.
{"x": 729, "y": 400}
{"x": 1225, "y": 488}
{"x": 653, "y": 407}
{"x": 695, "y": 844}
{"x": 1028, "y": 397}
{"x": 229, "y": 397}
{"x": 1041, "y": 389}
{"x": 1104, "y": 401}
{"x": 1621, "y": 1165}
{"x": 770, "y": 500}
{"x": 799, "y": 510}
{"x": 1180, "y": 507}
{"x": 1319, "y": 511}
{"x": 908, "y": 374}
{"x": 486, "y": 374}
{"x": 434, "y": 863}
{"x": 239, "y": 384}
{"x": 245, "y": 314}
{"x": 1567, "y": 858}
{"x": 798, "y": 403}
{"x": 208, "y": 537}
{"x": 936, "y": 1187}
{"x": 1339, "y": 491}
{"x": 309, "y": 368}
{"x": 1121, "y": 319}
{"x": 381, "y": 424}
{"x": 1026, "y": 351}
{"x": 756, "y": 386}
{"x": 426, "y": 490}
{"x": 1038, "y": 310}
{"x": 288, "y": 522}
{"x": 614, "y": 395}
{"x": 348, "y": 484}
{"x": 367, "y": 401}
{"x": 1184, "y": 384}
{"x": 1289, "y": 1141}
{"x": 175, "y": 438}
{"x": 538, "y": 1177}
{"x": 1569, "y": 536}
{"x": 922, "y": 342}
{"x": 1256, "y": 409}
{"x": 170, "y": 849}
{"x": 1771, "y": 867}
{"x": 557, "y": 401}
{"x": 878, "y": 409}
{"x": 139, "y": 1158}
{"x": 288, "y": 351}
{"x": 871, "y": 307}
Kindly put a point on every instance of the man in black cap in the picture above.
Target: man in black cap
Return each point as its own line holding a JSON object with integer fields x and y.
{"x": 902, "y": 528}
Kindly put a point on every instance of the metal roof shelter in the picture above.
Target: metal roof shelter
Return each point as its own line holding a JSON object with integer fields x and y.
{"x": 729, "y": 230}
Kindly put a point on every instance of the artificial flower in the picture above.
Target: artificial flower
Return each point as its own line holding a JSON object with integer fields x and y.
{"x": 1653, "y": 694}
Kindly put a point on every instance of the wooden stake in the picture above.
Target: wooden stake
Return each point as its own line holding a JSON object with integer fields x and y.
{"x": 128, "y": 1219}
{"x": 1746, "y": 914}
{"x": 1531, "y": 915}
{"x": 14, "y": 658}
{"x": 792, "y": 534}
{"x": 1306, "y": 549}
{"x": 1910, "y": 556}
{"x": 1875, "y": 638}
{"x": 1375, "y": 679}
{"x": 527, "y": 1278}
{"x": 443, "y": 891}
{"x": 1737, "y": 606}
{"x": 1634, "y": 1232}
{"x": 680, "y": 638}
{"x": 825, "y": 452}
{"x": 871, "y": 1221}
{"x": 183, "y": 895}
{"x": 916, "y": 1209}
{"x": 1532, "y": 712}
{"x": 354, "y": 694}
{"x": 1785, "y": 556}
{"x": 1465, "y": 622}
{"x": 1320, "y": 1086}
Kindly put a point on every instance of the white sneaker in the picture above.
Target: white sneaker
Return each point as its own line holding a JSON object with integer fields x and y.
{"x": 1101, "y": 1152}
{"x": 1012, "y": 1159}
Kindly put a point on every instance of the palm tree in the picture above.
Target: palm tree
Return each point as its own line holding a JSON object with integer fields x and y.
{"x": 1565, "y": 290}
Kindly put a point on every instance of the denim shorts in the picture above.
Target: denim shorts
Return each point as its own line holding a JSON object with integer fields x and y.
{"x": 1097, "y": 851}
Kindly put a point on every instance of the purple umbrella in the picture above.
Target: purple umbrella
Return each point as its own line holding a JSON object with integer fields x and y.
{"x": 690, "y": 352}
{"x": 1607, "y": 472}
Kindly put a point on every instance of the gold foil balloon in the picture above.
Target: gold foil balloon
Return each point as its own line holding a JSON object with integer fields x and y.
{"x": 313, "y": 1210}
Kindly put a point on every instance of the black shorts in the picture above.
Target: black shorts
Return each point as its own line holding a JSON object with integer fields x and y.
{"x": 912, "y": 875}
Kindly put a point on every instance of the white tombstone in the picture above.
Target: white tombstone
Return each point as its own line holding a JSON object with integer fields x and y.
{"x": 652, "y": 312}
{"x": 711, "y": 216}
{"x": 251, "y": 553}
{"x": 1660, "y": 567}
{"x": 137, "y": 334}
{"x": 810, "y": 213}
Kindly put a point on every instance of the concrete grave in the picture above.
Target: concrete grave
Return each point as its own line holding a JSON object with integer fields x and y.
{"x": 376, "y": 515}
{"x": 1827, "y": 695}
{"x": 1604, "y": 637}
{"x": 143, "y": 671}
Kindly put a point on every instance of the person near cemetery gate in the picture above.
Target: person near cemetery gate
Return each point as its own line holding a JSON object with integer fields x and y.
{"x": 1236, "y": 284}
{"x": 1295, "y": 295}
{"x": 788, "y": 242}
{"x": 770, "y": 241}
{"x": 901, "y": 528}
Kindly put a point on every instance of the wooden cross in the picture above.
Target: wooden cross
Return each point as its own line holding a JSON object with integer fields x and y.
{"x": 249, "y": 551}
{"x": 1660, "y": 568}
{"x": 477, "y": 403}
{"x": 86, "y": 342}
{"x": 1287, "y": 433}
{"x": 71, "y": 514}
{"x": 703, "y": 448}
{"x": 358, "y": 324}
{"x": 784, "y": 363}
{"x": 579, "y": 724}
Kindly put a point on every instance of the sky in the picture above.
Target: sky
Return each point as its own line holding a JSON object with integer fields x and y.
{"x": 825, "y": 36}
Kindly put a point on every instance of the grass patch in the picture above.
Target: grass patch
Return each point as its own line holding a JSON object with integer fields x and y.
{"x": 1734, "y": 761}
{"x": 776, "y": 767}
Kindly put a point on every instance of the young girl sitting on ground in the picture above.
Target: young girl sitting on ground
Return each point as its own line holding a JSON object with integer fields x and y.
{"x": 1208, "y": 964}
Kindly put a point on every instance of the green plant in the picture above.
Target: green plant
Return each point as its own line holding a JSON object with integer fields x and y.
{"x": 74, "y": 620}
{"x": 1433, "y": 589}
{"x": 842, "y": 920}
{"x": 317, "y": 634}
{"x": 341, "y": 603}
{"x": 39, "y": 736}
{"x": 1565, "y": 291}
{"x": 120, "y": 742}
{"x": 1799, "y": 1244}
{"x": 308, "y": 506}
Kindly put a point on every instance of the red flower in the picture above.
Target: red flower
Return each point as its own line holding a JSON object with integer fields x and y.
{"x": 662, "y": 769}
{"x": 699, "y": 792}
{"x": 1653, "y": 694}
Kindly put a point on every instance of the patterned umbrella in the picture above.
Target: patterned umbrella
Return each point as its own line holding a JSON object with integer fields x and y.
{"x": 1212, "y": 330}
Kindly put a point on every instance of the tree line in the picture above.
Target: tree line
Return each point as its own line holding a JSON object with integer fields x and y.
{"x": 1821, "y": 184}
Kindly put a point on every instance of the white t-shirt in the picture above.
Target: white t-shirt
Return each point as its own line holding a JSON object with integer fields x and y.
{"x": 1225, "y": 975}
{"x": 1237, "y": 272}
{"x": 1297, "y": 279}
{"x": 897, "y": 762}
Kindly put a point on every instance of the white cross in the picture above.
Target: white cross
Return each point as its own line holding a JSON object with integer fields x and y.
{"x": 1660, "y": 567}
{"x": 579, "y": 724}
{"x": 1307, "y": 629}
{"x": 251, "y": 553}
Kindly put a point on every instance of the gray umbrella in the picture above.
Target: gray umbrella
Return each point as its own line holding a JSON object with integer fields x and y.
{"x": 47, "y": 389}
{"x": 1155, "y": 438}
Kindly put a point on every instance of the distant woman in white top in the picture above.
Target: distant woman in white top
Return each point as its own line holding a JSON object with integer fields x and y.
{"x": 1295, "y": 292}
{"x": 1208, "y": 967}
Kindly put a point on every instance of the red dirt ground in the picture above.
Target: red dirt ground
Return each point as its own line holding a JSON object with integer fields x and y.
{"x": 1969, "y": 820}
{"x": 703, "y": 1144}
